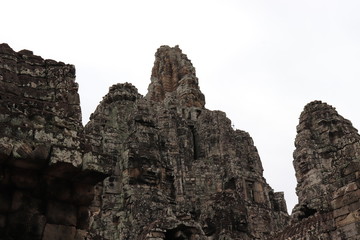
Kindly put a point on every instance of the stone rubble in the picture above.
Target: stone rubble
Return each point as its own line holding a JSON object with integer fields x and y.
{"x": 158, "y": 167}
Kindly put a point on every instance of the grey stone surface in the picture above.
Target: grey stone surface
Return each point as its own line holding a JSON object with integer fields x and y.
{"x": 158, "y": 167}
{"x": 327, "y": 167}
{"x": 179, "y": 169}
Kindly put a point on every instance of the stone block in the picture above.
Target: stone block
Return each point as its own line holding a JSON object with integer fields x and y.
{"x": 62, "y": 155}
{"x": 352, "y": 167}
{"x": 25, "y": 178}
{"x": 81, "y": 235}
{"x": 337, "y": 203}
{"x": 60, "y": 189}
{"x": 352, "y": 217}
{"x": 354, "y": 206}
{"x": 26, "y": 224}
{"x": 61, "y": 213}
{"x": 41, "y": 153}
{"x": 351, "y": 187}
{"x": 59, "y": 232}
{"x": 346, "y": 195}
{"x": 35, "y": 158}
{"x": 22, "y": 150}
{"x": 36, "y": 226}
{"x": 83, "y": 221}
{"x": 350, "y": 230}
{"x": 351, "y": 197}
{"x": 83, "y": 194}
{"x": 341, "y": 211}
{"x": 258, "y": 192}
{"x": 62, "y": 170}
{"x": 94, "y": 162}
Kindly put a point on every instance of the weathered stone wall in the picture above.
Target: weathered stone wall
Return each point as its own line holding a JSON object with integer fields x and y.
{"x": 44, "y": 188}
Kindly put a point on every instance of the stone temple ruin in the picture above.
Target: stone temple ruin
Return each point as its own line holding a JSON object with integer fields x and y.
{"x": 160, "y": 166}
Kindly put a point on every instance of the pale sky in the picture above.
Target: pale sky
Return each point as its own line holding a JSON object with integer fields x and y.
{"x": 260, "y": 61}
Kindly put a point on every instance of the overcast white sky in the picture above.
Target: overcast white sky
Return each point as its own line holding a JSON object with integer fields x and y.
{"x": 259, "y": 61}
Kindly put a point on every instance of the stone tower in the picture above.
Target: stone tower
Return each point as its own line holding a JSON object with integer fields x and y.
{"x": 327, "y": 167}
{"x": 179, "y": 170}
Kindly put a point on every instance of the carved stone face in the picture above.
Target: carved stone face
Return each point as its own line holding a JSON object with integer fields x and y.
{"x": 330, "y": 129}
{"x": 322, "y": 136}
{"x": 144, "y": 171}
{"x": 304, "y": 163}
{"x": 174, "y": 75}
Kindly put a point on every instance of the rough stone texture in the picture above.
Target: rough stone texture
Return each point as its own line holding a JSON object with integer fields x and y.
{"x": 173, "y": 79}
{"x": 158, "y": 167}
{"x": 41, "y": 156}
{"x": 179, "y": 171}
{"x": 327, "y": 164}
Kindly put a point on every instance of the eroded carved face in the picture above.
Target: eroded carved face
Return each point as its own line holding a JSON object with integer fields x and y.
{"x": 325, "y": 142}
{"x": 330, "y": 129}
{"x": 145, "y": 175}
{"x": 314, "y": 142}
{"x": 304, "y": 165}
{"x": 304, "y": 162}
{"x": 145, "y": 171}
{"x": 321, "y": 133}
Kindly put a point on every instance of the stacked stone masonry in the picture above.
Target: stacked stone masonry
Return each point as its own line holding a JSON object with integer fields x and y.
{"x": 158, "y": 167}
{"x": 327, "y": 164}
{"x": 45, "y": 187}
